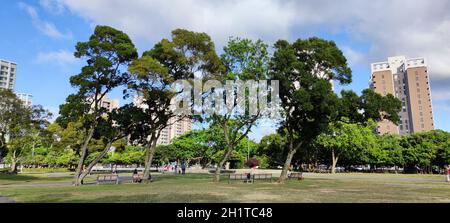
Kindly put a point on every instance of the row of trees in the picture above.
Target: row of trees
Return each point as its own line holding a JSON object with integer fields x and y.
{"x": 353, "y": 144}
{"x": 312, "y": 113}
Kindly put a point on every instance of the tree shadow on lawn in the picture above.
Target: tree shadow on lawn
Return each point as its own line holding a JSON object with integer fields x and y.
{"x": 17, "y": 177}
{"x": 143, "y": 198}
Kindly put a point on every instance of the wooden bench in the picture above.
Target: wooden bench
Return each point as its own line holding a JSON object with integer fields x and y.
{"x": 262, "y": 176}
{"x": 298, "y": 176}
{"x": 112, "y": 178}
{"x": 240, "y": 176}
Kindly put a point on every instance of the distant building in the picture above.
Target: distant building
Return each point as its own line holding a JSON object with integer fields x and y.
{"x": 174, "y": 129}
{"x": 26, "y": 98}
{"x": 407, "y": 80}
{"x": 8, "y": 71}
{"x": 107, "y": 103}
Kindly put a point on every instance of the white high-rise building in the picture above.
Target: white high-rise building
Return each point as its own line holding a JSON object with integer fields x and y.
{"x": 174, "y": 129}
{"x": 26, "y": 98}
{"x": 8, "y": 71}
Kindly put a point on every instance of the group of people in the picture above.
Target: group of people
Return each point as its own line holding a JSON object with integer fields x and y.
{"x": 447, "y": 169}
{"x": 174, "y": 167}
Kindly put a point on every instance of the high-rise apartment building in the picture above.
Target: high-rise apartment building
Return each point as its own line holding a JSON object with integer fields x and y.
{"x": 25, "y": 98}
{"x": 176, "y": 127}
{"x": 8, "y": 72}
{"x": 108, "y": 104}
{"x": 407, "y": 80}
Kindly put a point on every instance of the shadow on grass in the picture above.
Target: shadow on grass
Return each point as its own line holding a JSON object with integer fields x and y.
{"x": 148, "y": 198}
{"x": 17, "y": 177}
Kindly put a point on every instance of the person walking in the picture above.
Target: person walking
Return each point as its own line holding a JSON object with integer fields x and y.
{"x": 176, "y": 168}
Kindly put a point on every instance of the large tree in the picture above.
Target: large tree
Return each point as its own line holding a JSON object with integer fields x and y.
{"x": 245, "y": 60}
{"x": 153, "y": 76}
{"x": 23, "y": 134}
{"x": 12, "y": 113}
{"x": 305, "y": 69}
{"x": 107, "y": 52}
{"x": 348, "y": 139}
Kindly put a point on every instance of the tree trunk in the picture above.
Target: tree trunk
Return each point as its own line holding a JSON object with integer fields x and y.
{"x": 221, "y": 163}
{"x": 94, "y": 162}
{"x": 230, "y": 145}
{"x": 13, "y": 169}
{"x": 287, "y": 163}
{"x": 334, "y": 160}
{"x": 79, "y": 170}
{"x": 149, "y": 158}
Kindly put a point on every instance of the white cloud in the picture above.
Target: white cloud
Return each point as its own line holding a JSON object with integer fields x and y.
{"x": 47, "y": 28}
{"x": 389, "y": 27}
{"x": 53, "y": 6}
{"x": 61, "y": 57}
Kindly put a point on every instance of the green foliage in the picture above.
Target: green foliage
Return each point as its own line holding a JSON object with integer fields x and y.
{"x": 273, "y": 148}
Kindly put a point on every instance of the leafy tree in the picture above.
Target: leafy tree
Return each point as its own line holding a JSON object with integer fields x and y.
{"x": 273, "y": 147}
{"x": 188, "y": 53}
{"x": 391, "y": 150}
{"x": 305, "y": 69}
{"x": 106, "y": 52}
{"x": 244, "y": 60}
{"x": 12, "y": 114}
{"x": 348, "y": 139}
{"x": 23, "y": 135}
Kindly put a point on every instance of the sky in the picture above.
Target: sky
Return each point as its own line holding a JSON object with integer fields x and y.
{"x": 40, "y": 35}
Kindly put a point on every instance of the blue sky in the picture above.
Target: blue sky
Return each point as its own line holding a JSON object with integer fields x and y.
{"x": 40, "y": 35}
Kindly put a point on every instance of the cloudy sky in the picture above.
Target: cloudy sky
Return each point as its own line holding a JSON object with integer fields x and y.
{"x": 40, "y": 35}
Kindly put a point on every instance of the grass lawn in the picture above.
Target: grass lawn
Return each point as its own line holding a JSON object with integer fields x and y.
{"x": 200, "y": 188}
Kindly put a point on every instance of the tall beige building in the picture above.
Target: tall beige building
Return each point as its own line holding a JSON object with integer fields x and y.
{"x": 8, "y": 71}
{"x": 176, "y": 127}
{"x": 107, "y": 103}
{"x": 407, "y": 80}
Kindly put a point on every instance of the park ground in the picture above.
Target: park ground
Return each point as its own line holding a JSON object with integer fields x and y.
{"x": 342, "y": 187}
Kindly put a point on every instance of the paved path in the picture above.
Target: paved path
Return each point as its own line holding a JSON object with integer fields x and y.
{"x": 6, "y": 200}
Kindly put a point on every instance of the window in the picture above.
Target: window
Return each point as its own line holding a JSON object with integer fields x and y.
{"x": 422, "y": 125}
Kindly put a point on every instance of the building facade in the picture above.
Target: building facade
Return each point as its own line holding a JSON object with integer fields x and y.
{"x": 408, "y": 80}
{"x": 176, "y": 127}
{"x": 8, "y": 71}
{"x": 106, "y": 102}
{"x": 27, "y": 99}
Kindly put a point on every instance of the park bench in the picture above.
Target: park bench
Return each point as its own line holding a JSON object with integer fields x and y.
{"x": 240, "y": 176}
{"x": 111, "y": 178}
{"x": 298, "y": 176}
{"x": 262, "y": 176}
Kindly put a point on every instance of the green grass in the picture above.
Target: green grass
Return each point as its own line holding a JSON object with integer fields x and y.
{"x": 200, "y": 188}
{"x": 44, "y": 170}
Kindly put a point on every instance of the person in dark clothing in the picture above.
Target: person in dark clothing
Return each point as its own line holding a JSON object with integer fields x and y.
{"x": 136, "y": 178}
{"x": 183, "y": 168}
